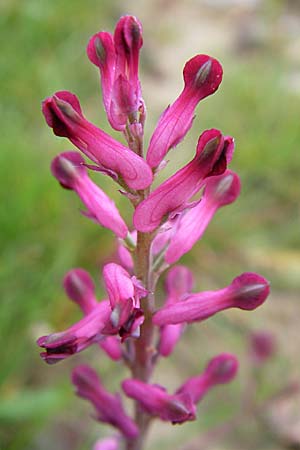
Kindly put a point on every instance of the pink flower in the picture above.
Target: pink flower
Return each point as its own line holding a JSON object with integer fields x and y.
{"x": 117, "y": 57}
{"x": 85, "y": 332}
{"x": 213, "y": 154}
{"x": 125, "y": 257}
{"x": 80, "y": 288}
{"x": 109, "y": 408}
{"x": 179, "y": 283}
{"x": 220, "y": 370}
{"x": 63, "y": 113}
{"x": 202, "y": 76}
{"x": 247, "y": 291}
{"x": 191, "y": 225}
{"x": 69, "y": 170}
{"x": 124, "y": 294}
{"x": 156, "y": 401}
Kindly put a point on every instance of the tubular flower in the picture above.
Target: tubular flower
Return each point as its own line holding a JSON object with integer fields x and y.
{"x": 69, "y": 170}
{"x": 80, "y": 288}
{"x": 109, "y": 408}
{"x": 179, "y": 283}
{"x": 214, "y": 152}
{"x": 220, "y": 370}
{"x": 247, "y": 291}
{"x": 117, "y": 58}
{"x": 79, "y": 336}
{"x": 124, "y": 294}
{"x": 156, "y": 401}
{"x": 63, "y": 113}
{"x": 202, "y": 77}
{"x": 191, "y": 224}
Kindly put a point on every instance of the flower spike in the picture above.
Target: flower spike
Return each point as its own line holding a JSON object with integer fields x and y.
{"x": 202, "y": 77}
{"x": 247, "y": 291}
{"x": 69, "y": 170}
{"x": 109, "y": 408}
{"x": 213, "y": 154}
{"x": 63, "y": 113}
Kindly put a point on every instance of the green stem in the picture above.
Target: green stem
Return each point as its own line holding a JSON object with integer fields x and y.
{"x": 142, "y": 365}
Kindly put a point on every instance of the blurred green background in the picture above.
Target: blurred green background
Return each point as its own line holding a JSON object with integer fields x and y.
{"x": 43, "y": 235}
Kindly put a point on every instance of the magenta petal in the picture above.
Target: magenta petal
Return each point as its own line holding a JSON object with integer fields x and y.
{"x": 101, "y": 52}
{"x": 108, "y": 406}
{"x": 79, "y": 336}
{"x": 179, "y": 283}
{"x": 118, "y": 284}
{"x": 169, "y": 336}
{"x": 219, "y": 191}
{"x": 80, "y": 288}
{"x": 157, "y": 402}
{"x": 202, "y": 76}
{"x": 174, "y": 193}
{"x": 220, "y": 370}
{"x": 63, "y": 114}
{"x": 112, "y": 347}
{"x": 248, "y": 291}
{"x": 68, "y": 169}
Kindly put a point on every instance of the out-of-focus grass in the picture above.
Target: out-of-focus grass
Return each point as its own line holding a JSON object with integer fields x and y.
{"x": 42, "y": 234}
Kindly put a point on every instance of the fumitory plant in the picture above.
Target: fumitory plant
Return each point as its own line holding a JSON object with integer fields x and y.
{"x": 167, "y": 221}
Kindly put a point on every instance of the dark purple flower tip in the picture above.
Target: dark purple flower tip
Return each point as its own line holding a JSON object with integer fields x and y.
{"x": 262, "y": 346}
{"x": 250, "y": 290}
{"x": 181, "y": 409}
{"x": 203, "y": 73}
{"x": 67, "y": 167}
{"x": 78, "y": 285}
{"x": 214, "y": 152}
{"x": 211, "y": 153}
{"x": 60, "y": 111}
{"x": 100, "y": 49}
{"x": 222, "y": 369}
{"x": 58, "y": 346}
{"x": 128, "y": 34}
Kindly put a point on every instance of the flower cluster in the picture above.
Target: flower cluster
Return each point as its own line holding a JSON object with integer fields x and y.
{"x": 167, "y": 221}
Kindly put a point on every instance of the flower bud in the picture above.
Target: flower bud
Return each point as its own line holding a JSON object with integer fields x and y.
{"x": 69, "y": 170}
{"x": 247, "y": 291}
{"x": 108, "y": 407}
{"x": 63, "y": 114}
{"x": 220, "y": 370}
{"x": 202, "y": 76}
